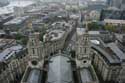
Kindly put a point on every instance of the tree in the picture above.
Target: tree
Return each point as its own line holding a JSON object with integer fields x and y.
{"x": 21, "y": 38}
{"x": 123, "y": 28}
{"x": 24, "y": 40}
{"x": 18, "y": 36}
{"x": 110, "y": 28}
{"x": 41, "y": 36}
{"x": 43, "y": 31}
{"x": 93, "y": 26}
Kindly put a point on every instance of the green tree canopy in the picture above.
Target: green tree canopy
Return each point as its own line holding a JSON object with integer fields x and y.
{"x": 93, "y": 26}
{"x": 110, "y": 28}
{"x": 21, "y": 38}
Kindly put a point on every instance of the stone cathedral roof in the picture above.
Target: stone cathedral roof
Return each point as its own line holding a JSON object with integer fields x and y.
{"x": 32, "y": 75}
{"x": 86, "y": 75}
{"x": 60, "y": 70}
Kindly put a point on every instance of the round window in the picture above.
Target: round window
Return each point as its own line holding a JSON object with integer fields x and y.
{"x": 84, "y": 61}
{"x": 34, "y": 62}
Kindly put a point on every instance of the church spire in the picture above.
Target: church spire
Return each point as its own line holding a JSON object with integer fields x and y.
{"x": 30, "y": 27}
{"x": 86, "y": 23}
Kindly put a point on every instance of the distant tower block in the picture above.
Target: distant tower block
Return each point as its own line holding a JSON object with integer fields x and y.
{"x": 18, "y": 11}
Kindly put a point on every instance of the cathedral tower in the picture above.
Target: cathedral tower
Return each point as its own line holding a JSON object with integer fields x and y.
{"x": 83, "y": 58}
{"x": 34, "y": 46}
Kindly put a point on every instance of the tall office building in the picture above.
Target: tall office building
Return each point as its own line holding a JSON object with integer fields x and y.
{"x": 3, "y": 2}
{"x": 123, "y": 5}
{"x": 109, "y": 2}
{"x": 116, "y": 3}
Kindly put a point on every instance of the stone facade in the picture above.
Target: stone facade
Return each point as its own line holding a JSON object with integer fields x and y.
{"x": 104, "y": 69}
{"x": 83, "y": 49}
{"x": 14, "y": 70}
{"x": 108, "y": 64}
{"x": 55, "y": 46}
{"x": 83, "y": 57}
{"x": 34, "y": 46}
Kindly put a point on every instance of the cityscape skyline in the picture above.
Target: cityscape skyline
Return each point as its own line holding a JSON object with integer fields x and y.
{"x": 62, "y": 41}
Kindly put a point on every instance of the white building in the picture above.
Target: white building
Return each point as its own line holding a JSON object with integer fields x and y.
{"x": 54, "y": 40}
{"x": 10, "y": 8}
{"x": 114, "y": 22}
{"x": 94, "y": 15}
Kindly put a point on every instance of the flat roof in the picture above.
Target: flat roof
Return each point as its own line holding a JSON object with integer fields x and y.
{"x": 105, "y": 52}
{"x": 2, "y": 32}
{"x": 120, "y": 37}
{"x": 94, "y": 32}
{"x": 114, "y": 21}
{"x": 5, "y": 42}
{"x": 94, "y": 41}
{"x": 7, "y": 53}
{"x": 17, "y": 20}
{"x": 117, "y": 51}
{"x": 112, "y": 59}
{"x": 60, "y": 23}
{"x": 80, "y": 31}
{"x": 54, "y": 34}
{"x": 18, "y": 3}
{"x": 74, "y": 16}
{"x": 113, "y": 8}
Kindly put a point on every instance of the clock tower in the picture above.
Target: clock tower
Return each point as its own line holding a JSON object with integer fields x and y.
{"x": 33, "y": 43}
{"x": 83, "y": 58}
